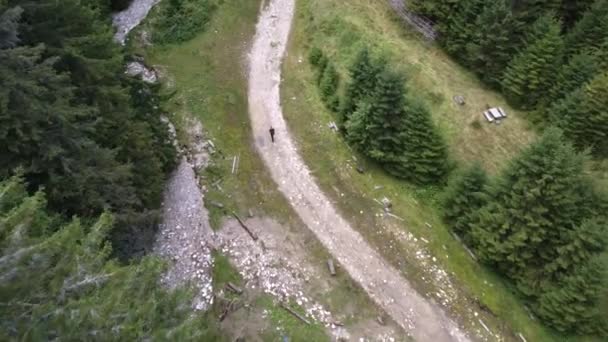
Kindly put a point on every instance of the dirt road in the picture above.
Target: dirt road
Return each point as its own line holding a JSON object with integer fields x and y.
{"x": 384, "y": 284}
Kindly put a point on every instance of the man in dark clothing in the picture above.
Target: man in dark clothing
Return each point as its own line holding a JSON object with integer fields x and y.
{"x": 271, "y": 130}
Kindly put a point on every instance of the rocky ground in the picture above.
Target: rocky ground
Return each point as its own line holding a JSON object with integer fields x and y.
{"x": 128, "y": 19}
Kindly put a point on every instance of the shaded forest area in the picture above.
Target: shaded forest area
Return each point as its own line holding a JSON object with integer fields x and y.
{"x": 72, "y": 123}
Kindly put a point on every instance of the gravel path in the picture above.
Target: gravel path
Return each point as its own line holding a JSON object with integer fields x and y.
{"x": 423, "y": 320}
{"x": 184, "y": 236}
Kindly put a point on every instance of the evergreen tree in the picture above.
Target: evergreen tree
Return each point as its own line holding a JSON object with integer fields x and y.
{"x": 378, "y": 129}
{"x": 579, "y": 70}
{"x": 426, "y": 157}
{"x": 57, "y": 282}
{"x": 363, "y": 74}
{"x": 572, "y": 10}
{"x": 329, "y": 87}
{"x": 529, "y": 11}
{"x": 541, "y": 223}
{"x": 458, "y": 29}
{"x": 492, "y": 42}
{"x": 572, "y": 304}
{"x": 590, "y": 31}
{"x": 463, "y": 197}
{"x": 530, "y": 73}
{"x": 583, "y": 115}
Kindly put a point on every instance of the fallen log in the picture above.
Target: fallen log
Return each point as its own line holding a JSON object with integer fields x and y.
{"x": 295, "y": 314}
{"x": 252, "y": 234}
{"x": 234, "y": 288}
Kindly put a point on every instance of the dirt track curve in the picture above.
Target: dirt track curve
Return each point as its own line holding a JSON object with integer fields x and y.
{"x": 423, "y": 320}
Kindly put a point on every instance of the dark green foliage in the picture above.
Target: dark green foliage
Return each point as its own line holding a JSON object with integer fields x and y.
{"x": 182, "y": 20}
{"x": 458, "y": 29}
{"x": 590, "y": 31}
{"x": 59, "y": 283}
{"x": 531, "y": 72}
{"x": 329, "y": 87}
{"x": 572, "y": 10}
{"x": 463, "y": 197}
{"x": 583, "y": 115}
{"x": 398, "y": 133}
{"x": 363, "y": 73}
{"x": 543, "y": 225}
{"x": 71, "y": 119}
{"x": 528, "y": 11}
{"x": 492, "y": 43}
{"x": 578, "y": 71}
{"x": 426, "y": 152}
{"x": 315, "y": 56}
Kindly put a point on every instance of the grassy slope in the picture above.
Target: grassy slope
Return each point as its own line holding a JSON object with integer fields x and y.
{"x": 340, "y": 28}
{"x": 208, "y": 78}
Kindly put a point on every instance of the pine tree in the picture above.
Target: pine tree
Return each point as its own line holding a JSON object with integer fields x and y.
{"x": 590, "y": 31}
{"x": 583, "y": 115}
{"x": 572, "y": 10}
{"x": 463, "y": 197}
{"x": 58, "y": 282}
{"x": 363, "y": 74}
{"x": 530, "y": 73}
{"x": 528, "y": 11}
{"x": 492, "y": 42}
{"x": 536, "y": 228}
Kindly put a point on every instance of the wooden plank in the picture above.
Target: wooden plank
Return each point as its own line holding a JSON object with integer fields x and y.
{"x": 252, "y": 234}
{"x": 488, "y": 116}
{"x": 330, "y": 265}
{"x": 295, "y": 314}
{"x": 234, "y": 288}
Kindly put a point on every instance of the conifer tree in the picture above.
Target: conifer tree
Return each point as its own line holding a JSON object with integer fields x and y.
{"x": 463, "y": 197}
{"x": 492, "y": 43}
{"x": 536, "y": 229}
{"x": 426, "y": 160}
{"x": 583, "y": 115}
{"x": 590, "y": 31}
{"x": 363, "y": 75}
{"x": 530, "y": 73}
{"x": 579, "y": 70}
{"x": 58, "y": 282}
{"x": 379, "y": 127}
{"x": 458, "y": 29}
{"x": 572, "y": 304}
{"x": 329, "y": 87}
{"x": 528, "y": 11}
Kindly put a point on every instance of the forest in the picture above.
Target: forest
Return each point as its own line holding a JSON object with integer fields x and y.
{"x": 541, "y": 222}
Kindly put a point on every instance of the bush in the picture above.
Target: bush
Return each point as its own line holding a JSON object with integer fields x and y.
{"x": 182, "y": 20}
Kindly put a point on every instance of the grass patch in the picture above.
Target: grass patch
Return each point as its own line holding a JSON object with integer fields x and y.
{"x": 289, "y": 326}
{"x": 341, "y": 28}
{"x": 223, "y": 272}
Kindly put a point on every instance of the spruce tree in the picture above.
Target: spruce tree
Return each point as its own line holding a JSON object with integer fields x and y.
{"x": 458, "y": 29}
{"x": 590, "y": 31}
{"x": 426, "y": 157}
{"x": 492, "y": 43}
{"x": 58, "y": 282}
{"x": 583, "y": 115}
{"x": 528, "y": 11}
{"x": 579, "y": 70}
{"x": 380, "y": 127}
{"x": 536, "y": 229}
{"x": 530, "y": 73}
{"x": 363, "y": 76}
{"x": 463, "y": 197}
{"x": 9, "y": 23}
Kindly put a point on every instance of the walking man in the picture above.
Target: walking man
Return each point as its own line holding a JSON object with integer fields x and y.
{"x": 271, "y": 130}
